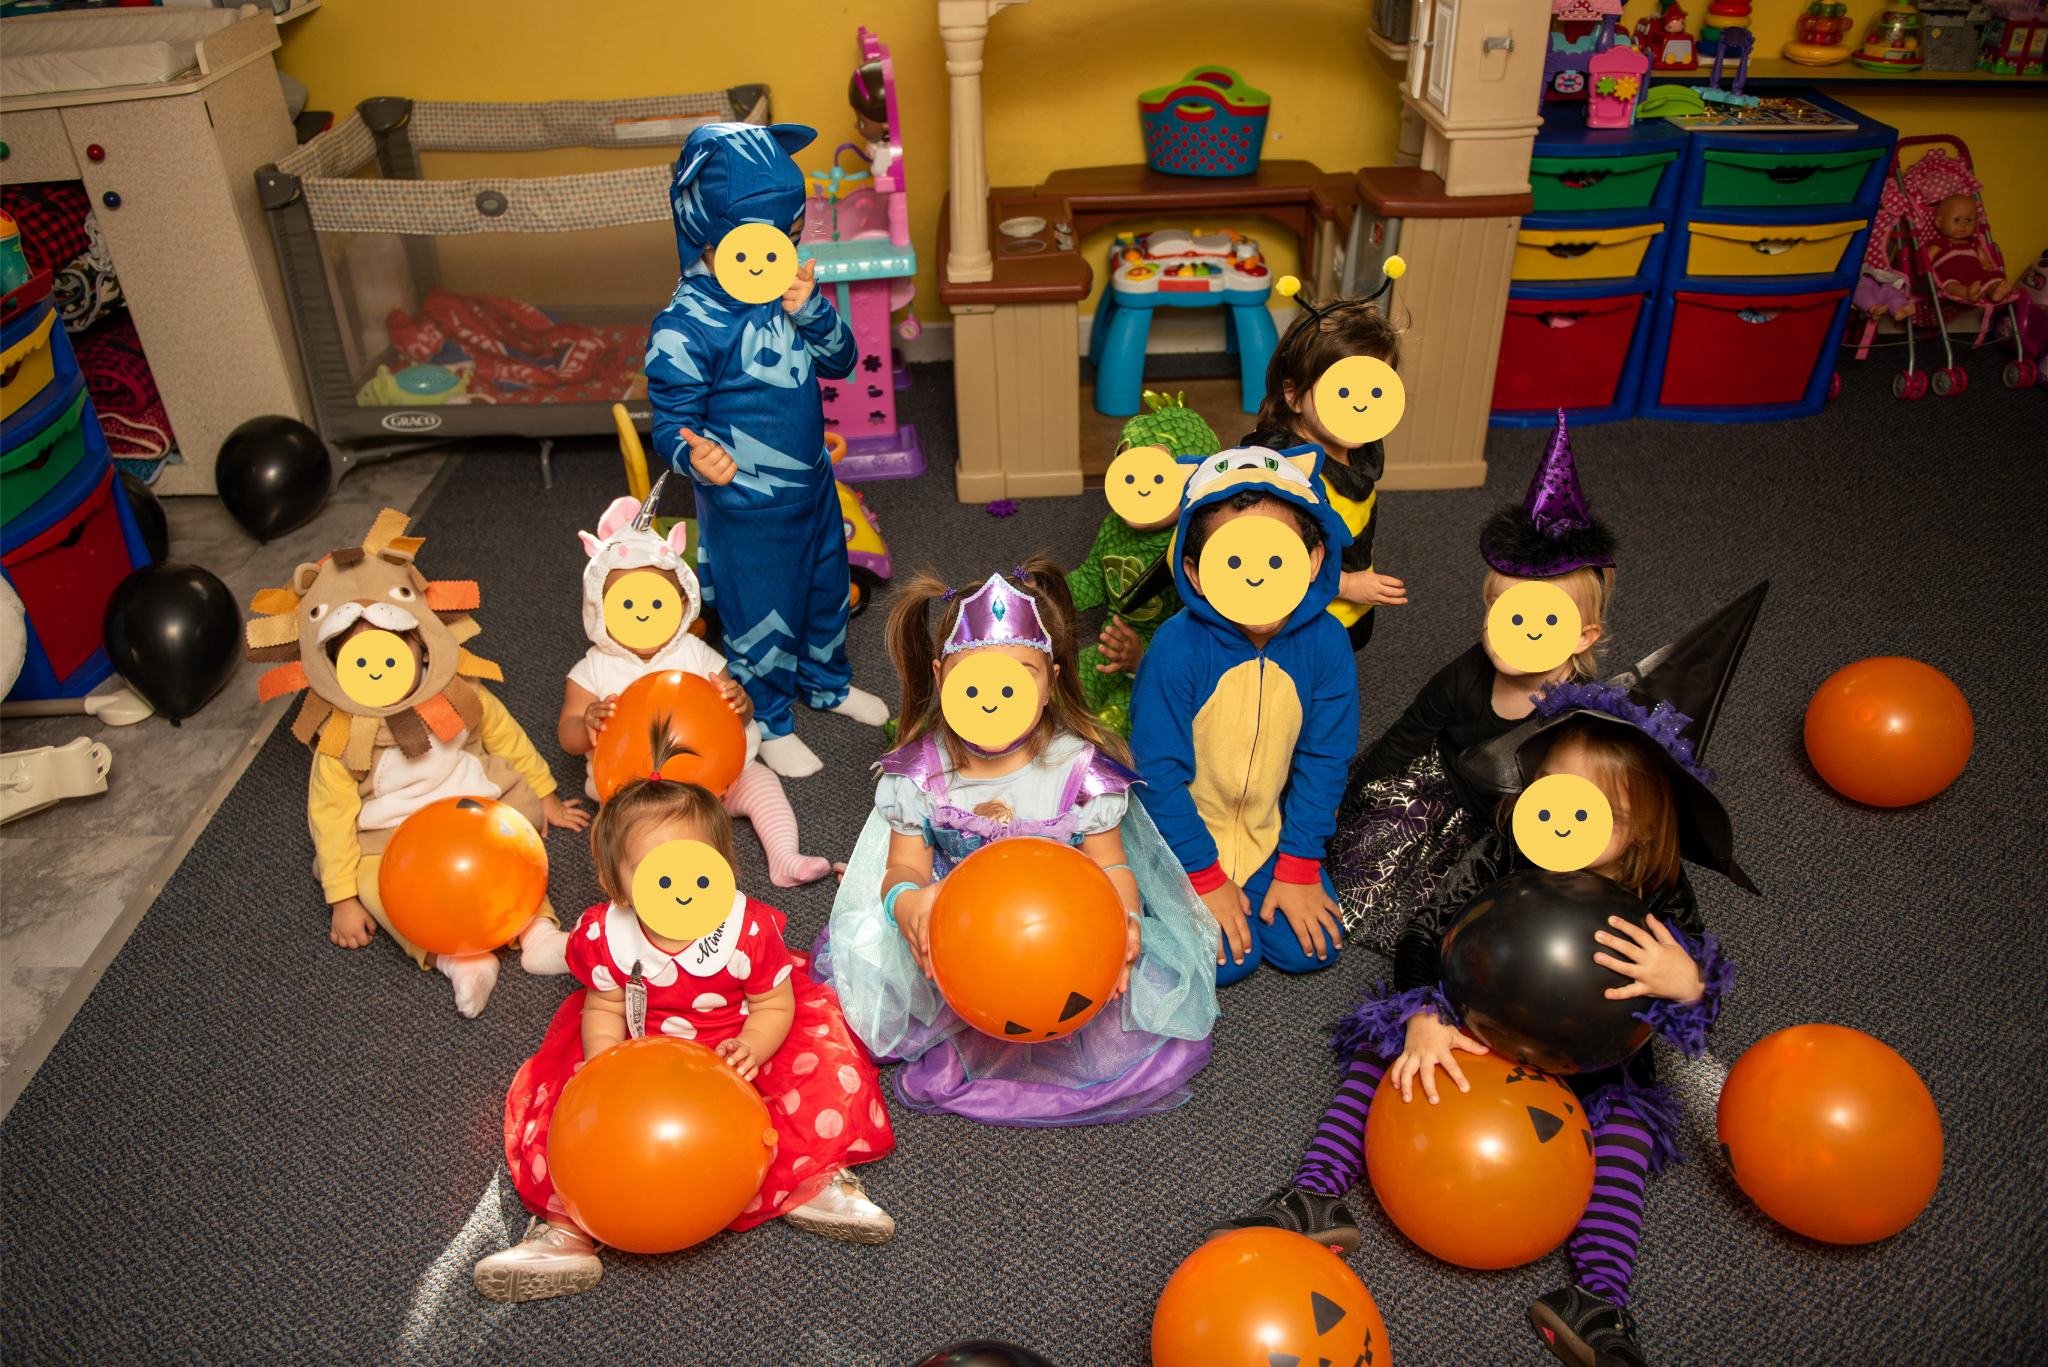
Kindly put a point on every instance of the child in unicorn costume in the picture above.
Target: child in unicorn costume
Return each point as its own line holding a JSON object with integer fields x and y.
{"x": 734, "y": 386}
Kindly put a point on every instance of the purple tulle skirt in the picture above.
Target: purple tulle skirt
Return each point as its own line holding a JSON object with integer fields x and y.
{"x": 1396, "y": 840}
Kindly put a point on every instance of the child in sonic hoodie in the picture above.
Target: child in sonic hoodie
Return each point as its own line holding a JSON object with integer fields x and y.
{"x": 1243, "y": 732}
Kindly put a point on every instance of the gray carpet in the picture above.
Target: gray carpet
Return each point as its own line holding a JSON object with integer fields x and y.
{"x": 254, "y": 1147}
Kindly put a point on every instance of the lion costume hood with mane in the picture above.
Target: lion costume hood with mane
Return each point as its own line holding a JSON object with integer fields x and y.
{"x": 378, "y": 582}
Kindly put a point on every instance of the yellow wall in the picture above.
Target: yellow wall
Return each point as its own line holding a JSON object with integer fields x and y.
{"x": 1060, "y": 86}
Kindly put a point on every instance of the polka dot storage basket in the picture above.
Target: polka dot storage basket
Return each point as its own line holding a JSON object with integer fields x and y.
{"x": 1208, "y": 123}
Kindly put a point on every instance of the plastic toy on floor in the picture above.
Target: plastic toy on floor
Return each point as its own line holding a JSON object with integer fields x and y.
{"x": 1932, "y": 259}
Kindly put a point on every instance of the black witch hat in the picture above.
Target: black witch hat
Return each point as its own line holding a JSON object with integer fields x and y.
{"x": 1674, "y": 696}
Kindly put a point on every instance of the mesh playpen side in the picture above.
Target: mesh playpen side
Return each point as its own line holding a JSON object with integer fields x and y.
{"x": 429, "y": 310}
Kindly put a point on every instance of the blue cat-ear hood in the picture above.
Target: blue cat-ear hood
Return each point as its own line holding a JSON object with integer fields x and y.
{"x": 733, "y": 173}
{"x": 1218, "y": 477}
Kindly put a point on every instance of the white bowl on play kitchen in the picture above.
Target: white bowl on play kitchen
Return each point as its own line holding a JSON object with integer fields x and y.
{"x": 1021, "y": 227}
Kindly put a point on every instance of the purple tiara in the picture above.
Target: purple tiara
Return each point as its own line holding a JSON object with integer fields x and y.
{"x": 998, "y": 615}
{"x": 1661, "y": 723}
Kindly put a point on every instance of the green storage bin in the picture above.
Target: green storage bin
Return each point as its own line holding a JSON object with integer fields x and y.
{"x": 38, "y": 465}
{"x": 1747, "y": 180}
{"x": 1563, "y": 184}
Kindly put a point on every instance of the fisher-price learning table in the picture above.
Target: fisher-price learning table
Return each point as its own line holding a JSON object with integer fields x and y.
{"x": 1175, "y": 268}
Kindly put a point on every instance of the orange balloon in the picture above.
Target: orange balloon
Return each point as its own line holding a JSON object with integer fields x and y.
{"x": 1889, "y": 731}
{"x": 1831, "y": 1133}
{"x": 1493, "y": 1177}
{"x": 658, "y": 1144}
{"x": 698, "y": 717}
{"x": 1256, "y": 1297}
{"x": 1027, "y": 939}
{"x": 463, "y": 875}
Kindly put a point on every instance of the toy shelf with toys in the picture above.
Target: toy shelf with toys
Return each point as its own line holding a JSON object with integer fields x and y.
{"x": 1175, "y": 268}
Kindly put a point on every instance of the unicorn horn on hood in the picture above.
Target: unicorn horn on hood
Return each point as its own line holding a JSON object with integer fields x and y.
{"x": 643, "y": 521}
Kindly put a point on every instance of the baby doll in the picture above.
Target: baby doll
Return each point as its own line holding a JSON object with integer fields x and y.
{"x": 396, "y": 722}
{"x": 1131, "y": 541}
{"x": 1961, "y": 263}
{"x": 640, "y": 599}
{"x": 734, "y": 384}
{"x": 730, "y": 984}
{"x": 1408, "y": 813}
{"x": 1042, "y": 767}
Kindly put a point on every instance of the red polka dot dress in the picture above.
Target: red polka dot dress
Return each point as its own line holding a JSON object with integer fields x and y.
{"x": 821, "y": 1088}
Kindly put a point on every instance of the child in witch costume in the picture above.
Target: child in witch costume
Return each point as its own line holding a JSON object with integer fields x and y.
{"x": 724, "y": 979}
{"x": 1246, "y": 710}
{"x": 1132, "y": 540}
{"x": 1408, "y": 814}
{"x": 396, "y": 721}
{"x": 732, "y": 371}
{"x": 640, "y": 599}
{"x": 1042, "y": 767}
{"x": 1630, "y": 740}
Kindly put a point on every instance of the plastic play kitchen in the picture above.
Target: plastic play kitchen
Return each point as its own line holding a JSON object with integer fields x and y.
{"x": 1178, "y": 269}
{"x": 857, "y": 225}
{"x": 1208, "y": 123}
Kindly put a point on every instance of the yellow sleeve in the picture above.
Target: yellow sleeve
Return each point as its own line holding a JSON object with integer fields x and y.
{"x": 504, "y": 736}
{"x": 333, "y": 805}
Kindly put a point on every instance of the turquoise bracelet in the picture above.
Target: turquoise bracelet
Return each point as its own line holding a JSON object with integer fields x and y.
{"x": 889, "y": 898}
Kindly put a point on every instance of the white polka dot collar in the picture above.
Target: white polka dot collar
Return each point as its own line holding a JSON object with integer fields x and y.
{"x": 701, "y": 958}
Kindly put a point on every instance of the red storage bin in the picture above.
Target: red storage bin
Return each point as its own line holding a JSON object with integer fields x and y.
{"x": 1737, "y": 350}
{"x": 66, "y": 575}
{"x": 1564, "y": 353}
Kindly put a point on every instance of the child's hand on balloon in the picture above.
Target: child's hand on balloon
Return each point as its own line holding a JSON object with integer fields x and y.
{"x": 598, "y": 713}
{"x": 569, "y": 815}
{"x": 1431, "y": 1045}
{"x": 800, "y": 288}
{"x": 1134, "y": 944}
{"x": 740, "y": 1055}
{"x": 914, "y": 919}
{"x": 1657, "y": 962}
{"x": 712, "y": 462}
{"x": 351, "y": 926}
{"x": 736, "y": 697}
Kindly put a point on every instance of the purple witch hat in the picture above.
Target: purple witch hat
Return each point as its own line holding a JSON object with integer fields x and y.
{"x": 1552, "y": 533}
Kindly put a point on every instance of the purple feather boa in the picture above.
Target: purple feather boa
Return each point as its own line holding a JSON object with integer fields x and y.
{"x": 1684, "y": 1025}
{"x": 1655, "y": 1107}
{"x": 1380, "y": 1024}
{"x": 1661, "y": 723}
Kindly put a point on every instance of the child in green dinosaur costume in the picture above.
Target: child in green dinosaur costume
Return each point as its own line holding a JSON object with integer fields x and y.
{"x": 1123, "y": 551}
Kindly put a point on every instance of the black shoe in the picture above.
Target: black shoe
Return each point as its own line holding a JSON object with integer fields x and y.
{"x": 1300, "y": 1211}
{"x": 1586, "y": 1331}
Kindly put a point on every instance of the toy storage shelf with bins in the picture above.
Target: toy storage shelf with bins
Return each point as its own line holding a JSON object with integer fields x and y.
{"x": 68, "y": 537}
{"x": 1588, "y": 266}
{"x": 1766, "y": 242}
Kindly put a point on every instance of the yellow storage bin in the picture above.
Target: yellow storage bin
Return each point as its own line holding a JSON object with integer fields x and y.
{"x": 27, "y": 366}
{"x": 1769, "y": 248}
{"x": 1582, "y": 253}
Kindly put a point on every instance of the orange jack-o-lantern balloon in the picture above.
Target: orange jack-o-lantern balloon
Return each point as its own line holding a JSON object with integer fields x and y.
{"x": 1027, "y": 939}
{"x": 463, "y": 875}
{"x": 1889, "y": 731}
{"x": 1493, "y": 1177}
{"x": 1257, "y": 1297}
{"x": 657, "y": 1144}
{"x": 1831, "y": 1133}
{"x": 698, "y": 718}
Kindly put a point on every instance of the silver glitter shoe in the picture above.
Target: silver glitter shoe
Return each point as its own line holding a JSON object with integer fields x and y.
{"x": 548, "y": 1260}
{"x": 843, "y": 1211}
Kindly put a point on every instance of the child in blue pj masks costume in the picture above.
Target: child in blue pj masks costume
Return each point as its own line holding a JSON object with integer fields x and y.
{"x": 736, "y": 405}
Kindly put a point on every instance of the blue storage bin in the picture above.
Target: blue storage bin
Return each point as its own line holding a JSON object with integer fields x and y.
{"x": 1735, "y": 336}
{"x": 53, "y": 399}
{"x": 1780, "y": 164}
{"x": 1561, "y": 337}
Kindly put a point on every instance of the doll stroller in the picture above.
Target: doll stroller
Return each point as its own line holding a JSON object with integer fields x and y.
{"x": 1899, "y": 275}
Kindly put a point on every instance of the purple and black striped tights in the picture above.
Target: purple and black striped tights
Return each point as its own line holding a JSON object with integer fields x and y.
{"x": 1602, "y": 1248}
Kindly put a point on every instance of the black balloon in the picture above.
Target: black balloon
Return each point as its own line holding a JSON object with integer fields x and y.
{"x": 983, "y": 1353}
{"x": 174, "y": 633}
{"x": 1518, "y": 969}
{"x": 149, "y": 517}
{"x": 273, "y": 474}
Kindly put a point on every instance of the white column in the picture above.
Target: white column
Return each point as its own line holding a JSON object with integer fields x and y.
{"x": 963, "y": 26}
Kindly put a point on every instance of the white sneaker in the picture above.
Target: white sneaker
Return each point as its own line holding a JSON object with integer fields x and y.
{"x": 551, "y": 1260}
{"x": 863, "y": 707}
{"x": 843, "y": 1211}
{"x": 790, "y": 757}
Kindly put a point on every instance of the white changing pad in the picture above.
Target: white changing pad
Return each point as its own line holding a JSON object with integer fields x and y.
{"x": 95, "y": 49}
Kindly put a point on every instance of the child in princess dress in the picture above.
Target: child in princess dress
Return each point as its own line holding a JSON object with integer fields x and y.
{"x": 639, "y": 600}
{"x": 1040, "y": 765}
{"x": 735, "y": 988}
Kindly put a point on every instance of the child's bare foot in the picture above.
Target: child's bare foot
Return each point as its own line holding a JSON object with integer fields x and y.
{"x": 474, "y": 975}
{"x": 351, "y": 926}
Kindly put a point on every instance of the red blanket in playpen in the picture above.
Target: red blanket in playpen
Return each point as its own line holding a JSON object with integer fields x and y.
{"x": 521, "y": 354}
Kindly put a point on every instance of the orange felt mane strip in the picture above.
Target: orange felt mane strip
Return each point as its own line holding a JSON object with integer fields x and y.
{"x": 282, "y": 680}
{"x": 438, "y": 713}
{"x": 453, "y": 595}
{"x": 271, "y": 602}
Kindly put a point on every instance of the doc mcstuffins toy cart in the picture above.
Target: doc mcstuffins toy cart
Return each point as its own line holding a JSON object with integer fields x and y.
{"x": 857, "y": 226}
{"x": 1178, "y": 269}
